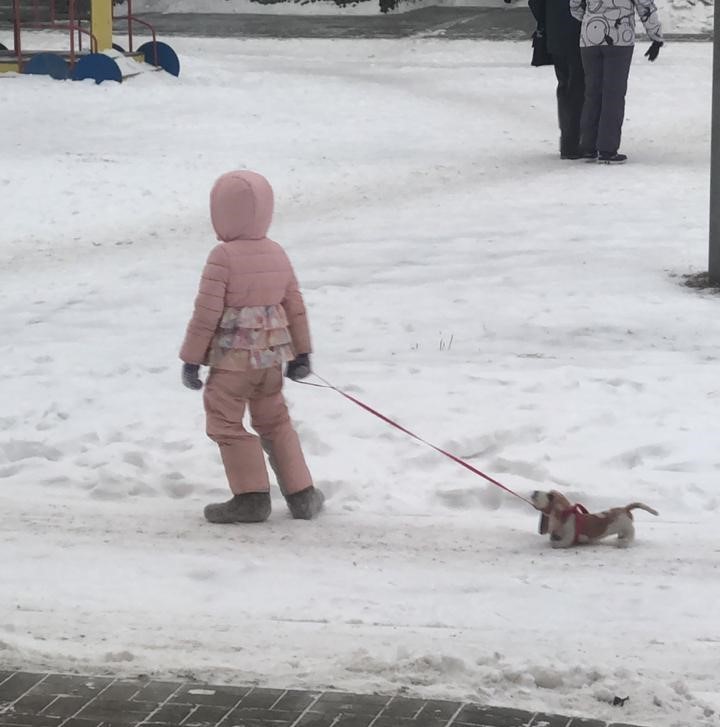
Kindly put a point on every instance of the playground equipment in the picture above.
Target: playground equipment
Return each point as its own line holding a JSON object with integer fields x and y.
{"x": 91, "y": 52}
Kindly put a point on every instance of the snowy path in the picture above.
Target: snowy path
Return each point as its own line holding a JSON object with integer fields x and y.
{"x": 522, "y": 312}
{"x": 441, "y": 605}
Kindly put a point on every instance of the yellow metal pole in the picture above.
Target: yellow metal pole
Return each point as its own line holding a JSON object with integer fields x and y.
{"x": 101, "y": 23}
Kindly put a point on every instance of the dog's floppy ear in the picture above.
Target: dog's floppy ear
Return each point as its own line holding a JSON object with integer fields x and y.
{"x": 544, "y": 521}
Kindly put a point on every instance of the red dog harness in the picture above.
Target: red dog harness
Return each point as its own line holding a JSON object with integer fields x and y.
{"x": 580, "y": 512}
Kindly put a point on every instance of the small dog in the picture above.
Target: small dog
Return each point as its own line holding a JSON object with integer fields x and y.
{"x": 572, "y": 524}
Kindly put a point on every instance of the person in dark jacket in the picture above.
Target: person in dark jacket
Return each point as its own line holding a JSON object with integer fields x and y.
{"x": 560, "y": 32}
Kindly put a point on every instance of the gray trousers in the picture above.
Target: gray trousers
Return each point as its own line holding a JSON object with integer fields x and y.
{"x": 606, "y": 76}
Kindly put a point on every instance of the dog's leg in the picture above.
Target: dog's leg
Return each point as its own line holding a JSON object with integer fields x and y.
{"x": 563, "y": 535}
{"x": 626, "y": 532}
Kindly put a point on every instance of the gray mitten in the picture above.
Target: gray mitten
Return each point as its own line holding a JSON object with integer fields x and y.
{"x": 299, "y": 367}
{"x": 190, "y": 376}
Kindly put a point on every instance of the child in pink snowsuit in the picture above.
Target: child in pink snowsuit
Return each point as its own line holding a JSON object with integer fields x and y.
{"x": 250, "y": 320}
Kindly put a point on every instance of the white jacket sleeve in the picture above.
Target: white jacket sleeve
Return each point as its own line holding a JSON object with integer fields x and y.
{"x": 649, "y": 17}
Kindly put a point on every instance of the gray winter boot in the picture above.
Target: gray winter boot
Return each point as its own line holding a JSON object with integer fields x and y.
{"x": 306, "y": 504}
{"x": 251, "y": 507}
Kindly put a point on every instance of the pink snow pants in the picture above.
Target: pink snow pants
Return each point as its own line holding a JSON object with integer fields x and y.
{"x": 226, "y": 395}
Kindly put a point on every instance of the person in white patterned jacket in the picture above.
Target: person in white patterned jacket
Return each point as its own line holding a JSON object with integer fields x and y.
{"x": 607, "y": 40}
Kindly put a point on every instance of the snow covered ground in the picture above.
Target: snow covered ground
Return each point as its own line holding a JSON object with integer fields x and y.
{"x": 524, "y": 312}
{"x": 686, "y": 16}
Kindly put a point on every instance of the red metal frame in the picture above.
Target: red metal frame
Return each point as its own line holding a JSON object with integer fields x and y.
{"x": 74, "y": 25}
{"x": 16, "y": 34}
{"x": 133, "y": 19}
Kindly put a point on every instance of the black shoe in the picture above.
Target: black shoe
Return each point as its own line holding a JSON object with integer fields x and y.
{"x": 306, "y": 504}
{"x": 252, "y": 507}
{"x": 589, "y": 156}
{"x": 606, "y": 157}
{"x": 571, "y": 155}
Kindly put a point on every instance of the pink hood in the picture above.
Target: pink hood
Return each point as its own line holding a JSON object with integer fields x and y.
{"x": 241, "y": 206}
{"x": 245, "y": 270}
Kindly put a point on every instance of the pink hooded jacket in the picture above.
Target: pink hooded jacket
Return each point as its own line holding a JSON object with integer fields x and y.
{"x": 247, "y": 277}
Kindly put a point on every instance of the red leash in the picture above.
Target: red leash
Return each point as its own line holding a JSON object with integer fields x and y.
{"x": 387, "y": 420}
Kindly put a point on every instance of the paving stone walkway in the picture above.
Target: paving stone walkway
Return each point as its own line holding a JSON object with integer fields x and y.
{"x": 62, "y": 700}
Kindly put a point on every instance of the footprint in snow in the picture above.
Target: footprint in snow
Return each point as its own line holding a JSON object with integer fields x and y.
{"x": 202, "y": 574}
{"x": 113, "y": 491}
{"x": 114, "y": 657}
{"x": 470, "y": 497}
{"x": 635, "y": 457}
{"x": 177, "y": 446}
{"x": 536, "y": 473}
{"x": 56, "y": 481}
{"x": 136, "y": 459}
{"x": 17, "y": 450}
{"x": 156, "y": 369}
{"x": 178, "y": 490}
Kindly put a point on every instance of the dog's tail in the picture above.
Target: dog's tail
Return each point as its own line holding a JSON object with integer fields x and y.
{"x": 641, "y": 506}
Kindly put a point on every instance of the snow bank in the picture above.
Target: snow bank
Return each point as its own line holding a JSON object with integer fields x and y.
{"x": 686, "y": 16}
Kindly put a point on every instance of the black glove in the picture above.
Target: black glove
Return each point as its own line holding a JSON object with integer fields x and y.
{"x": 299, "y": 367}
{"x": 190, "y": 376}
{"x": 652, "y": 52}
